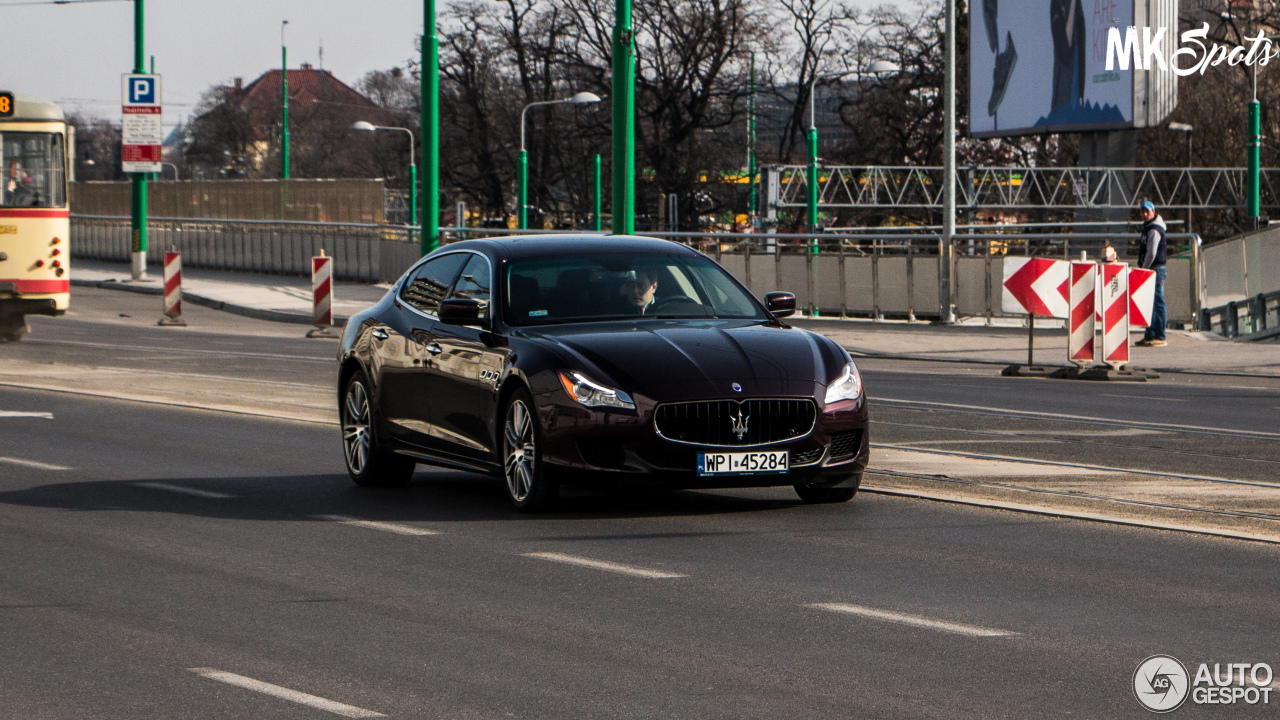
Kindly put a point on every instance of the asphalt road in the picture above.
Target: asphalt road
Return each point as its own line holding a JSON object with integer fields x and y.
{"x": 140, "y": 544}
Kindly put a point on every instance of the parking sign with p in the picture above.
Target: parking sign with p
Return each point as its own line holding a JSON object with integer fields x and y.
{"x": 140, "y": 90}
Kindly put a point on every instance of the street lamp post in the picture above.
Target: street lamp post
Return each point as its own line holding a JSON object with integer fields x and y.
{"x": 1188, "y": 129}
{"x": 624, "y": 120}
{"x": 945, "y": 269}
{"x": 879, "y": 68}
{"x": 363, "y": 126}
{"x": 138, "y": 210}
{"x": 176, "y": 176}
{"x": 582, "y": 98}
{"x": 284, "y": 105}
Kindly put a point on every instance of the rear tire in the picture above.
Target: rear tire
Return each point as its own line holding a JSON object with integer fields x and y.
{"x": 827, "y": 495}
{"x": 525, "y": 475}
{"x": 369, "y": 462}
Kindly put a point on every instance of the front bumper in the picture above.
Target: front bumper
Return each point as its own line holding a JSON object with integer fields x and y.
{"x": 608, "y": 447}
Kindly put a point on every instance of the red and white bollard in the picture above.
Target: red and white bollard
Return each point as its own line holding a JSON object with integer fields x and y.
{"x": 1115, "y": 314}
{"x": 1142, "y": 296}
{"x": 322, "y": 297}
{"x": 1080, "y": 343}
{"x": 172, "y": 291}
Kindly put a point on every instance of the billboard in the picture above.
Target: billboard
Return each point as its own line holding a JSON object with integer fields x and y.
{"x": 1039, "y": 66}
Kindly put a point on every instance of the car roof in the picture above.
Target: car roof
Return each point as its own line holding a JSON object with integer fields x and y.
{"x": 520, "y": 247}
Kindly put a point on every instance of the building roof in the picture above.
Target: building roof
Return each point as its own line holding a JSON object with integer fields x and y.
{"x": 307, "y": 87}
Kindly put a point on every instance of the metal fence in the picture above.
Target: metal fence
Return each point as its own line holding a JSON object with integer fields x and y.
{"x": 787, "y": 186}
{"x": 852, "y": 275}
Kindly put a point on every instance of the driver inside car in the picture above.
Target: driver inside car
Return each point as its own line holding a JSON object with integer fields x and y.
{"x": 638, "y": 291}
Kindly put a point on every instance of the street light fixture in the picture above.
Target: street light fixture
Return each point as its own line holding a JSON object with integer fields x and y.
{"x": 879, "y": 68}
{"x": 1188, "y": 129}
{"x": 582, "y": 98}
{"x": 363, "y": 126}
{"x": 176, "y": 176}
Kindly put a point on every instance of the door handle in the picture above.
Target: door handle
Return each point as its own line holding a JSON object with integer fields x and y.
{"x": 434, "y": 349}
{"x": 379, "y": 333}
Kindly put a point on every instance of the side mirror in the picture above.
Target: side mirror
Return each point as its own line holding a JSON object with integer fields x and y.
{"x": 460, "y": 311}
{"x": 781, "y": 304}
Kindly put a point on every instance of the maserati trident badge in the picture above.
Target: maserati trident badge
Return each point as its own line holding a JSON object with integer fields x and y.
{"x": 739, "y": 424}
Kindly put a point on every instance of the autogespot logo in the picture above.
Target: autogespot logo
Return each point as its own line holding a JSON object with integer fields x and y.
{"x": 1160, "y": 683}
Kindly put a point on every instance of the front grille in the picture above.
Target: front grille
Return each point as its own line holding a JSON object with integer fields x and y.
{"x": 734, "y": 423}
{"x": 845, "y": 445}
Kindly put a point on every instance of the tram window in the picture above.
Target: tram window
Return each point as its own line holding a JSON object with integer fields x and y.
{"x": 32, "y": 170}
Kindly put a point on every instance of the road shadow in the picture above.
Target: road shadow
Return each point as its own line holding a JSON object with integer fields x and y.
{"x": 433, "y": 496}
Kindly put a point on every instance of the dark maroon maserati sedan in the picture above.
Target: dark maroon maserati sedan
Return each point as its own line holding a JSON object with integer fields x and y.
{"x": 589, "y": 360}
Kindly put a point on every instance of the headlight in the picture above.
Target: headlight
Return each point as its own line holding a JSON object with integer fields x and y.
{"x": 593, "y": 394}
{"x": 846, "y": 387}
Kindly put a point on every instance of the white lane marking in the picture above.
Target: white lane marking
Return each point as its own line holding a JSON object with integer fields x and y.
{"x": 602, "y": 565}
{"x": 185, "y": 490}
{"x": 914, "y": 620}
{"x": 376, "y": 525}
{"x": 1144, "y": 397}
{"x": 33, "y": 464}
{"x": 1082, "y": 466}
{"x": 1083, "y": 419}
{"x": 285, "y": 693}
{"x": 17, "y": 414}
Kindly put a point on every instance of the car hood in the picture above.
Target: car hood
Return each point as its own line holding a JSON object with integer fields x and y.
{"x": 679, "y": 360}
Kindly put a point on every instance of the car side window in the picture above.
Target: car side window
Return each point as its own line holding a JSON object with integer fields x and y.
{"x": 474, "y": 284}
{"x": 430, "y": 283}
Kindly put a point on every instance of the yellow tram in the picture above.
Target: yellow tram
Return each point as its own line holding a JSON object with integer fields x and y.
{"x": 35, "y": 223}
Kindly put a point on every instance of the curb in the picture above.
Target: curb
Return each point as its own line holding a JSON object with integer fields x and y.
{"x": 873, "y": 355}
{"x": 203, "y": 301}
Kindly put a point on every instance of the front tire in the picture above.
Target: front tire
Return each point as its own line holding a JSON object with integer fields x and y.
{"x": 525, "y": 474}
{"x": 369, "y": 462}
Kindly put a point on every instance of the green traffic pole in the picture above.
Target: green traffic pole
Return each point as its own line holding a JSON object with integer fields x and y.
{"x": 1255, "y": 160}
{"x": 598, "y": 200}
{"x": 751, "y": 144}
{"x": 813, "y": 186}
{"x": 284, "y": 110}
{"x": 430, "y": 130}
{"x": 522, "y": 192}
{"x": 624, "y": 96}
{"x": 138, "y": 209}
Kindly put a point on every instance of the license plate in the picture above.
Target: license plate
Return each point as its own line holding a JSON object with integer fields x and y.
{"x": 773, "y": 462}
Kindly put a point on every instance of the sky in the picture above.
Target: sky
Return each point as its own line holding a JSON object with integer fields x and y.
{"x": 74, "y": 54}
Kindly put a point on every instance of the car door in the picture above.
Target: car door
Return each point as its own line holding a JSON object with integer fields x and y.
{"x": 403, "y": 391}
{"x": 467, "y": 369}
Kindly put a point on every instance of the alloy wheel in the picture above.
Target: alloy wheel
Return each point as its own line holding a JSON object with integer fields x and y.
{"x": 521, "y": 451}
{"x": 356, "y": 440}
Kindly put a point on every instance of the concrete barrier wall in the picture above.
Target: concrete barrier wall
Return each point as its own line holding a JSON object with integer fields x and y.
{"x": 1241, "y": 268}
{"x": 850, "y": 284}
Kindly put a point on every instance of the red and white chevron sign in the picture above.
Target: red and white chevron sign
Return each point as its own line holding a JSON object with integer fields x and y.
{"x": 1036, "y": 286}
{"x": 1142, "y": 296}
{"x": 1115, "y": 314}
{"x": 322, "y": 290}
{"x": 1080, "y": 344}
{"x": 173, "y": 284}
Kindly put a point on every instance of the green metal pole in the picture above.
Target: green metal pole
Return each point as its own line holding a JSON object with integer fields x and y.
{"x": 624, "y": 116}
{"x": 138, "y": 210}
{"x": 413, "y": 192}
{"x": 1255, "y": 159}
{"x": 430, "y": 130}
{"x": 813, "y": 185}
{"x": 284, "y": 112}
{"x": 598, "y": 200}
{"x": 751, "y": 145}
{"x": 522, "y": 192}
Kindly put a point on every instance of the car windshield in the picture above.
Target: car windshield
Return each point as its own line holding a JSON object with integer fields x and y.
{"x": 622, "y": 286}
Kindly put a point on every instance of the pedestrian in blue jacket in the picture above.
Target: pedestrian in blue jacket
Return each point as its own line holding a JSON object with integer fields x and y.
{"x": 1153, "y": 253}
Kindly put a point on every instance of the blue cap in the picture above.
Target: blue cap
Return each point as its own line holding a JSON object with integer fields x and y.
{"x": 1148, "y": 205}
